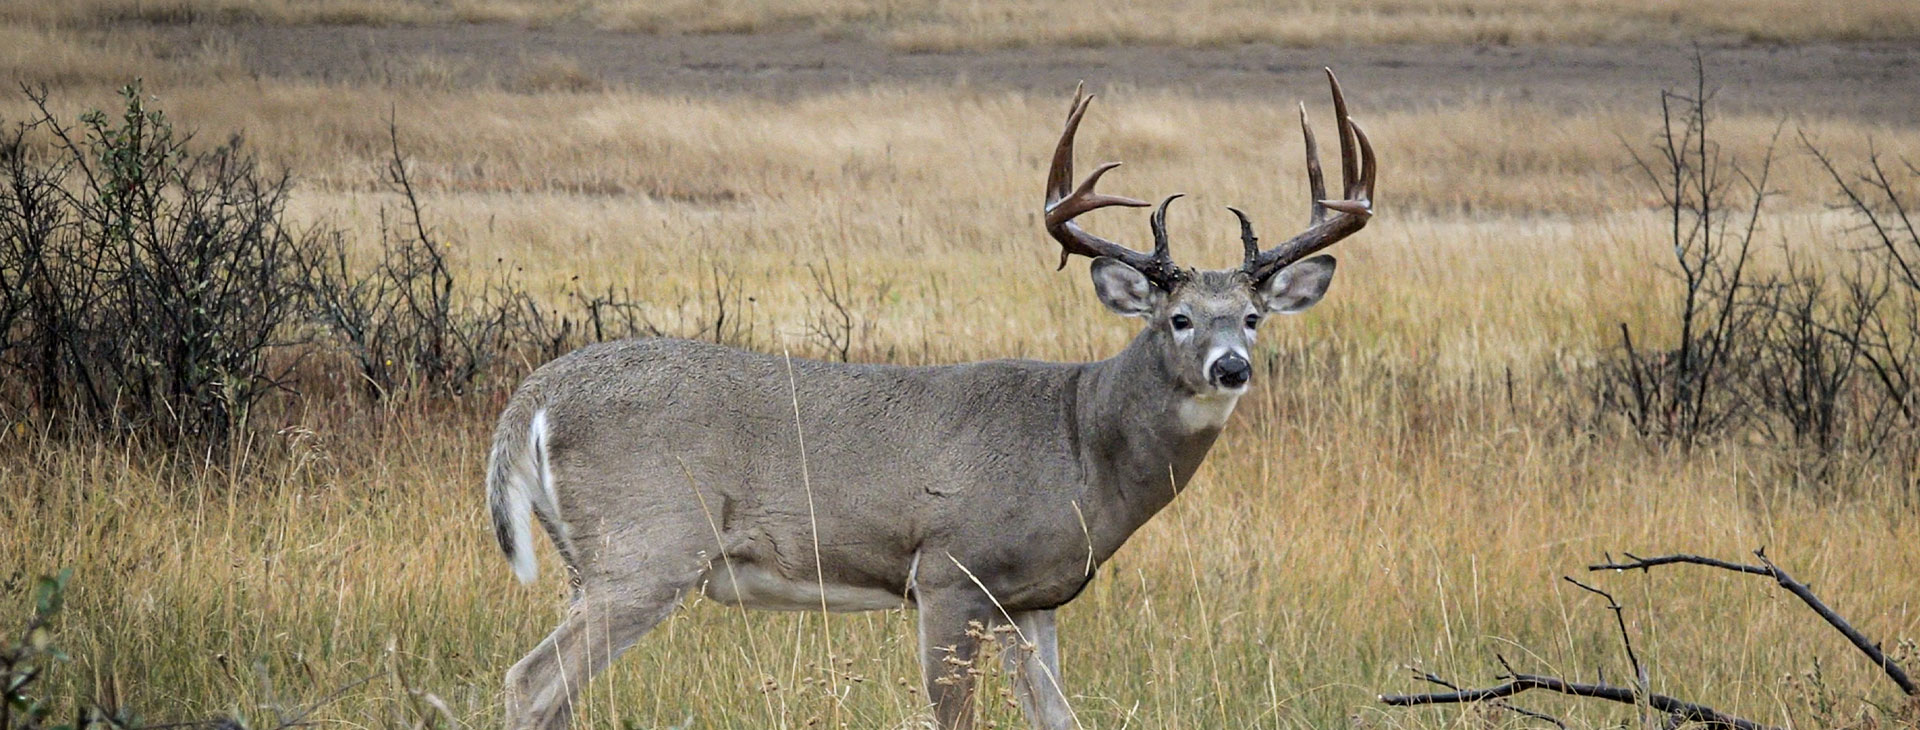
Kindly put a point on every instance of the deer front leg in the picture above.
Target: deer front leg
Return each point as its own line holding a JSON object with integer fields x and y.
{"x": 952, "y": 624}
{"x": 1032, "y": 659}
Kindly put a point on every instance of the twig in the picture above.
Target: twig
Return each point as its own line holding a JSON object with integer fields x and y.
{"x": 1619, "y": 616}
{"x": 1798, "y": 589}
{"x": 1431, "y": 678}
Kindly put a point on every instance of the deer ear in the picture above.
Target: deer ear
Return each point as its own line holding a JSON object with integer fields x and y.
{"x": 1123, "y": 288}
{"x": 1298, "y": 287}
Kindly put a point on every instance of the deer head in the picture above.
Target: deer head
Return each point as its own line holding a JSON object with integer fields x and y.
{"x": 1205, "y": 321}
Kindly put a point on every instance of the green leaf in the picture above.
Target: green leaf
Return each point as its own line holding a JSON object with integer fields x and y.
{"x": 50, "y": 592}
{"x": 46, "y": 596}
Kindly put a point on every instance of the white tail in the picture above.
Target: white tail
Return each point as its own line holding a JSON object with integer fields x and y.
{"x": 520, "y": 485}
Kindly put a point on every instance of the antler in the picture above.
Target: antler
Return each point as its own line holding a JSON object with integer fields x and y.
{"x": 1352, "y": 212}
{"x": 1064, "y": 203}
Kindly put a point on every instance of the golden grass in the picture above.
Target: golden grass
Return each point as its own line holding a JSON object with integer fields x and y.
{"x": 1382, "y": 498}
{"x": 941, "y": 26}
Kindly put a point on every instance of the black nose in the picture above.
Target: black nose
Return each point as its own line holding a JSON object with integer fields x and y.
{"x": 1231, "y": 371}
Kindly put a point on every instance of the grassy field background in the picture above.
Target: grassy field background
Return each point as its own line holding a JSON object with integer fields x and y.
{"x": 1406, "y": 484}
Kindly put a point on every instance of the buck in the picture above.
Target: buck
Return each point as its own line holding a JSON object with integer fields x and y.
{"x": 984, "y": 495}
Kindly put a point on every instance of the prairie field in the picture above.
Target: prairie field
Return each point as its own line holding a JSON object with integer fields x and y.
{"x": 1418, "y": 465}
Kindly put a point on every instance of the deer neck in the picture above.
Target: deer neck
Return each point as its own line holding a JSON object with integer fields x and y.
{"x": 1141, "y": 438}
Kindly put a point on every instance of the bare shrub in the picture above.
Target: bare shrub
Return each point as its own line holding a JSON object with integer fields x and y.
{"x": 412, "y": 325}
{"x": 1878, "y": 318}
{"x": 406, "y": 323}
{"x": 1816, "y": 358}
{"x": 142, "y": 285}
{"x": 836, "y": 320}
{"x": 1688, "y": 391}
{"x": 150, "y": 290}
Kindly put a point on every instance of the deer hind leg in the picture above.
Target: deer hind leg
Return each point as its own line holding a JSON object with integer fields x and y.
{"x": 542, "y": 687}
{"x": 1032, "y": 660}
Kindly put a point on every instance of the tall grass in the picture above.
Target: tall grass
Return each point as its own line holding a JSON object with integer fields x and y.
{"x": 1408, "y": 480}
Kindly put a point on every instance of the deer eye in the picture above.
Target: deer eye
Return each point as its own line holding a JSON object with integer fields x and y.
{"x": 1180, "y": 322}
{"x": 1253, "y": 320}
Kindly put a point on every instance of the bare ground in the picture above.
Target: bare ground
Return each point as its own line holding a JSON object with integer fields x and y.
{"x": 1869, "y": 81}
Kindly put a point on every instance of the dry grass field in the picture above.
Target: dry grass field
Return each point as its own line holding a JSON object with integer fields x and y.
{"x": 1416, "y": 468}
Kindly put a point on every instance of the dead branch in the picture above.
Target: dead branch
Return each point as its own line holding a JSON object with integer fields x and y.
{"x": 1517, "y": 683}
{"x": 1798, "y": 589}
{"x": 1677, "y": 711}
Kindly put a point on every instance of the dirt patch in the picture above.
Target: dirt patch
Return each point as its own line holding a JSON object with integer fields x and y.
{"x": 1872, "y": 81}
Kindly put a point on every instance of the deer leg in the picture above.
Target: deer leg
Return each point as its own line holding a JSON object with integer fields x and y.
{"x": 1032, "y": 659}
{"x": 951, "y": 626}
{"x": 542, "y": 687}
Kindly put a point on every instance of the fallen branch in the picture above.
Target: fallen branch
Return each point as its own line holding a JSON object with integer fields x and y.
{"x": 1517, "y": 683}
{"x": 1798, "y": 589}
{"x": 1641, "y": 696}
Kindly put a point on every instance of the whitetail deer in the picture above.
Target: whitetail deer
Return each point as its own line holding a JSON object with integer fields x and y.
{"x": 982, "y": 493}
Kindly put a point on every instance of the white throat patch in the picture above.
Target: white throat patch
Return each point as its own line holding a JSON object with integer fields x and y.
{"x": 1209, "y": 410}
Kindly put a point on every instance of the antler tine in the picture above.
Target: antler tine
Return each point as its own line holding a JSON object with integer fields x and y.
{"x": 1357, "y": 168}
{"x": 1247, "y": 240}
{"x": 1060, "y": 175}
{"x": 1064, "y": 203}
{"x": 1316, "y": 181}
{"x": 1159, "y": 224}
{"x": 1367, "y": 166}
{"x": 1344, "y": 122}
{"x": 1360, "y": 192}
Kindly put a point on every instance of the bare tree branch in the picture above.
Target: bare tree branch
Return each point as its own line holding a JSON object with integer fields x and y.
{"x": 1636, "y": 562}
